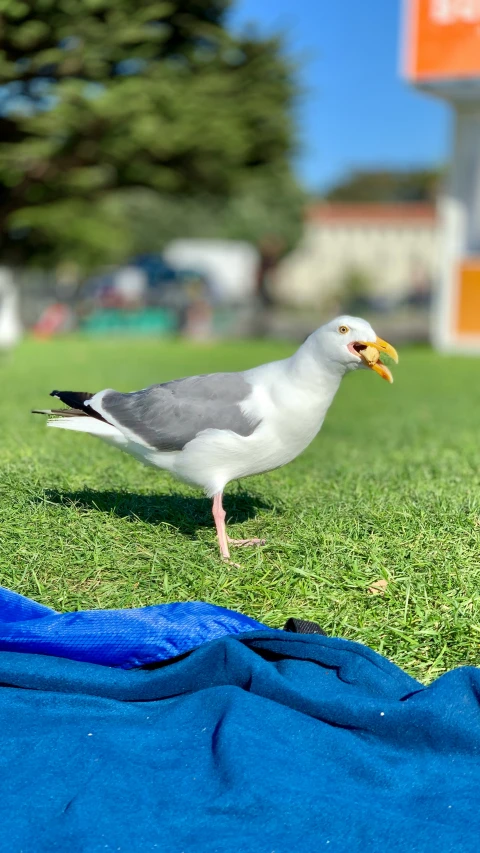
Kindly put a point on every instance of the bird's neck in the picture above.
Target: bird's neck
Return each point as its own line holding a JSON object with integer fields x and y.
{"x": 313, "y": 373}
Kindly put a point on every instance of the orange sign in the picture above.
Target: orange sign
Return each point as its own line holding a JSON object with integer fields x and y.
{"x": 442, "y": 39}
{"x": 468, "y": 304}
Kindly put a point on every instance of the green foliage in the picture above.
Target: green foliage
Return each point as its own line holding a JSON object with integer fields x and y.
{"x": 388, "y": 491}
{"x": 105, "y": 96}
{"x": 387, "y": 186}
{"x": 267, "y": 203}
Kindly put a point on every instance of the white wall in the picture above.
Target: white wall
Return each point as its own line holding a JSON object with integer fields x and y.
{"x": 391, "y": 254}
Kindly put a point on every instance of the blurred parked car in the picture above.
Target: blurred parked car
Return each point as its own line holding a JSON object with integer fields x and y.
{"x": 145, "y": 296}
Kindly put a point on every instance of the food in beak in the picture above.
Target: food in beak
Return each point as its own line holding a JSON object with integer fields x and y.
{"x": 369, "y": 352}
{"x": 370, "y": 355}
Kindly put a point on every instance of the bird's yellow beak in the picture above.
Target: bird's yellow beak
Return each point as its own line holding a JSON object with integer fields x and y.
{"x": 369, "y": 352}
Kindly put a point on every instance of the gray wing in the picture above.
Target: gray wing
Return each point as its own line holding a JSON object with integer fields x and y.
{"x": 170, "y": 415}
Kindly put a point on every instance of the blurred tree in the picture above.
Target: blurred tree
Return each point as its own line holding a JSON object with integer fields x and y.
{"x": 111, "y": 109}
{"x": 387, "y": 186}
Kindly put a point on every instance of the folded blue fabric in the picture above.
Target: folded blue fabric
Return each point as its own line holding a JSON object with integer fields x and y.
{"x": 266, "y": 742}
{"x": 124, "y": 638}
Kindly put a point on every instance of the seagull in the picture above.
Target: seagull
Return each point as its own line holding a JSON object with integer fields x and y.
{"x": 211, "y": 429}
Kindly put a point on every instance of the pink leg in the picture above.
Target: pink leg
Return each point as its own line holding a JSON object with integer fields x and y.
{"x": 219, "y": 517}
{"x": 223, "y": 539}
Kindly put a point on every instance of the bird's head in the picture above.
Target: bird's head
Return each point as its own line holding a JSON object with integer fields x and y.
{"x": 351, "y": 343}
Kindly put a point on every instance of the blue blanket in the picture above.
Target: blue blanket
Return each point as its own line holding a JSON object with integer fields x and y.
{"x": 125, "y": 638}
{"x": 252, "y": 743}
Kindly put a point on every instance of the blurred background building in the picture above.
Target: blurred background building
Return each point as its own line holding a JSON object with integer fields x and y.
{"x": 180, "y": 168}
{"x": 381, "y": 255}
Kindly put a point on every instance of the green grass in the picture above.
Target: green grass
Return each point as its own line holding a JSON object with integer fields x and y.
{"x": 389, "y": 490}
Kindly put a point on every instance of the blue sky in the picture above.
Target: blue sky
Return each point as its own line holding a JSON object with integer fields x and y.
{"x": 356, "y": 111}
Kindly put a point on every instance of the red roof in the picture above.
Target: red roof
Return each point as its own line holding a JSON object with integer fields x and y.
{"x": 333, "y": 213}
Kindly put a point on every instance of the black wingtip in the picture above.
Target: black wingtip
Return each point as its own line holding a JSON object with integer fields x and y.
{"x": 76, "y": 400}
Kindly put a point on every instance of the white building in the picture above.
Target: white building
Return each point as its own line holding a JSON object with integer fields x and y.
{"x": 389, "y": 250}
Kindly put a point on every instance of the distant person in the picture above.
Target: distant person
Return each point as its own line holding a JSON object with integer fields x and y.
{"x": 130, "y": 286}
{"x": 197, "y": 316}
{"x": 421, "y": 287}
{"x": 10, "y": 323}
{"x": 270, "y": 249}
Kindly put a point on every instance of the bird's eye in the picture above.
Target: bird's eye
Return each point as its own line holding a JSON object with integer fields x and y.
{"x": 343, "y": 330}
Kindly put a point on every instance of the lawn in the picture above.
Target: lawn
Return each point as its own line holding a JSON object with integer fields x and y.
{"x": 388, "y": 491}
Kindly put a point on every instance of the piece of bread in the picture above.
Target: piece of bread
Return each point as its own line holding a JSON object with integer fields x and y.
{"x": 371, "y": 355}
